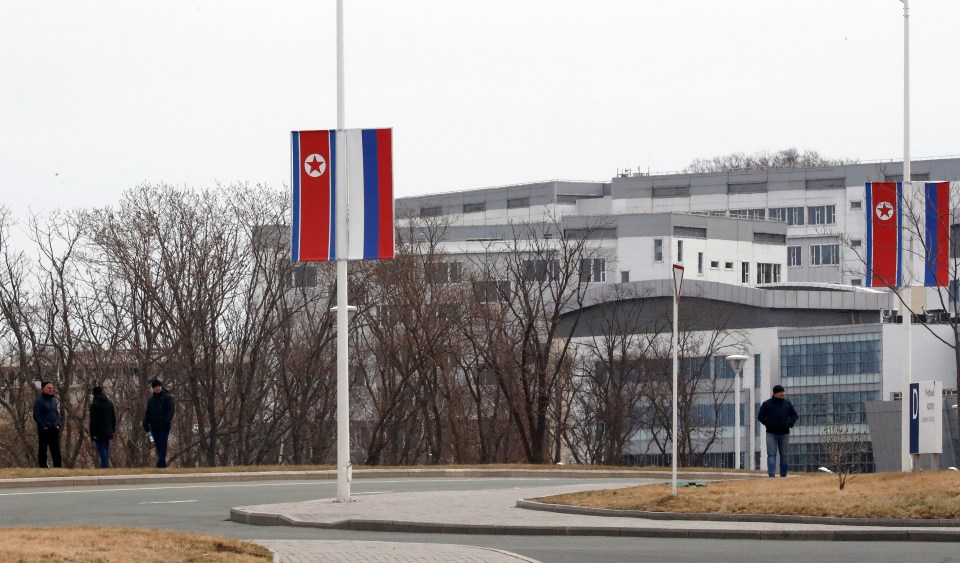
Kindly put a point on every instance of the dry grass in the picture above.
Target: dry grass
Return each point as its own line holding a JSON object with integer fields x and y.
{"x": 89, "y": 544}
{"x": 33, "y": 472}
{"x": 883, "y": 495}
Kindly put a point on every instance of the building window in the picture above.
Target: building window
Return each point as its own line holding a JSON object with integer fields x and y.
{"x": 671, "y": 191}
{"x": 722, "y": 369}
{"x": 832, "y": 355}
{"x": 474, "y": 207}
{"x": 825, "y": 183}
{"x": 954, "y": 241}
{"x": 794, "y": 256}
{"x": 747, "y": 188}
{"x": 728, "y": 266}
{"x": 690, "y": 232}
{"x": 856, "y": 282}
{"x": 768, "y": 273}
{"x": 680, "y": 251}
{"x": 431, "y": 211}
{"x": 748, "y": 213}
{"x": 444, "y": 272}
{"x": 700, "y": 263}
{"x": 794, "y": 215}
{"x": 518, "y": 202}
{"x": 491, "y": 291}
{"x": 303, "y": 275}
{"x": 625, "y": 276}
{"x": 658, "y": 250}
{"x": 756, "y": 371}
{"x": 856, "y": 204}
{"x": 824, "y": 254}
{"x": 593, "y": 269}
{"x": 540, "y": 270}
{"x": 856, "y": 243}
{"x": 745, "y": 272}
{"x": 778, "y": 214}
{"x": 769, "y": 238}
{"x": 714, "y": 264}
{"x": 822, "y": 215}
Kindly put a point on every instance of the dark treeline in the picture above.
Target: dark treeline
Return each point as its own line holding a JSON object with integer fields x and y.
{"x": 464, "y": 360}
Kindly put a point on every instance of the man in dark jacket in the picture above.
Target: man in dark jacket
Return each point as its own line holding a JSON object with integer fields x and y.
{"x": 46, "y": 413}
{"x": 778, "y": 416}
{"x": 103, "y": 423}
{"x": 158, "y": 419}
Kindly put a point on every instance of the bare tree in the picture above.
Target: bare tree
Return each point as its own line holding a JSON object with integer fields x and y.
{"x": 845, "y": 451}
{"x": 606, "y": 401}
{"x": 529, "y": 280}
{"x": 411, "y": 308}
{"x": 765, "y": 160}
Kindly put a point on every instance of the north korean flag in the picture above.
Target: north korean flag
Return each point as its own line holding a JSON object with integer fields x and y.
{"x": 884, "y": 238}
{"x": 314, "y": 195}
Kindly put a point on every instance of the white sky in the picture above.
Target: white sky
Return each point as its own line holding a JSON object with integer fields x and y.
{"x": 98, "y": 97}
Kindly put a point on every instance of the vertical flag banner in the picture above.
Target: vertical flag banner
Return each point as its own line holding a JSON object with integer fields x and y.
{"x": 884, "y": 237}
{"x": 368, "y": 189}
{"x": 313, "y": 154}
{"x": 937, "y": 233}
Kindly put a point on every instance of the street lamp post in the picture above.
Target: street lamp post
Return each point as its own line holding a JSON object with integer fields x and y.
{"x": 736, "y": 362}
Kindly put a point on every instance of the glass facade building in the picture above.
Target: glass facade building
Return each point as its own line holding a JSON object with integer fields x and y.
{"x": 828, "y": 377}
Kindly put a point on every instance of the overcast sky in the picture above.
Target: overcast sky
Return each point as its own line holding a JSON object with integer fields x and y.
{"x": 98, "y": 97}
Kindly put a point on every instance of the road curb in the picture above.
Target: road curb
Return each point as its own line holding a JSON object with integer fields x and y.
{"x": 368, "y": 525}
{"x": 94, "y": 480}
{"x": 716, "y": 517}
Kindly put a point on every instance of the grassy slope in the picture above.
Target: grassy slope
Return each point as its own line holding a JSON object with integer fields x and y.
{"x": 883, "y": 495}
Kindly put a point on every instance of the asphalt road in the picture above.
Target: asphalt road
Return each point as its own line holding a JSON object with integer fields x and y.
{"x": 204, "y": 507}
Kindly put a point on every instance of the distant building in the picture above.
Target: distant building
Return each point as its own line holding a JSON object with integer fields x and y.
{"x": 762, "y": 245}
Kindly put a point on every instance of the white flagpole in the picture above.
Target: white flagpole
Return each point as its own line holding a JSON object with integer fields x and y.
{"x": 677, "y": 285}
{"x": 343, "y": 380}
{"x": 906, "y": 459}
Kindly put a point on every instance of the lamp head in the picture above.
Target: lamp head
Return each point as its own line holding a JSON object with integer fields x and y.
{"x": 736, "y": 361}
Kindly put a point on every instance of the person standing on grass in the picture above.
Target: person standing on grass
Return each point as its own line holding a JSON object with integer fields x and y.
{"x": 46, "y": 413}
{"x": 158, "y": 419}
{"x": 778, "y": 416}
{"x": 103, "y": 423}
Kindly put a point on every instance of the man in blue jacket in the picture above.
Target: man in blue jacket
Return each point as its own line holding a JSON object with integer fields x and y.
{"x": 778, "y": 416}
{"x": 46, "y": 413}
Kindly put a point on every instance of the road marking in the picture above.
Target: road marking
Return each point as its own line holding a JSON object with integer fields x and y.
{"x": 166, "y": 502}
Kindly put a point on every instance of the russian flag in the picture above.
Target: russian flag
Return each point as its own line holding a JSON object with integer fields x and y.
{"x": 367, "y": 185}
{"x": 936, "y": 244}
{"x": 884, "y": 238}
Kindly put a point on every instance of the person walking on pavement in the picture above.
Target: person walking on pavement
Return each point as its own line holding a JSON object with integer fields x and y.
{"x": 778, "y": 416}
{"x": 46, "y": 413}
{"x": 158, "y": 419}
{"x": 103, "y": 423}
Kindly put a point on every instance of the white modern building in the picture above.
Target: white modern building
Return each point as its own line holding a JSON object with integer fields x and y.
{"x": 761, "y": 245}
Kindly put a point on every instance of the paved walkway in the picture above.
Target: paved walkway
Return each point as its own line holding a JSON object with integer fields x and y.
{"x": 496, "y": 512}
